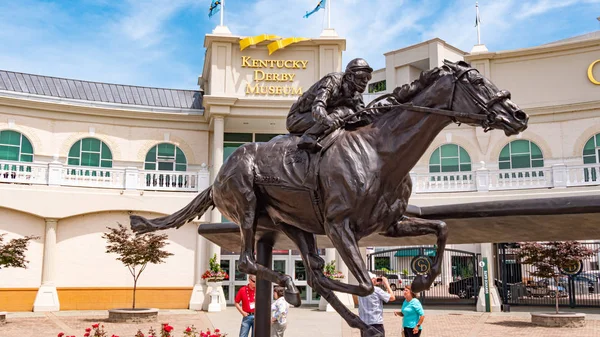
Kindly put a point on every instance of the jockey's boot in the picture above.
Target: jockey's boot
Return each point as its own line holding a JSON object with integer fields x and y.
{"x": 309, "y": 142}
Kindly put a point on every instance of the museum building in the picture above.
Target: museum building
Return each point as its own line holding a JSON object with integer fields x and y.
{"x": 78, "y": 156}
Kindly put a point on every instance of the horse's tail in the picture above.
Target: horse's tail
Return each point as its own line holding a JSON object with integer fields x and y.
{"x": 197, "y": 207}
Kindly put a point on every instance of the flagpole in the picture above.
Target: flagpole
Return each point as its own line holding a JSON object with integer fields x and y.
{"x": 222, "y": 10}
{"x": 328, "y": 14}
{"x": 478, "y": 22}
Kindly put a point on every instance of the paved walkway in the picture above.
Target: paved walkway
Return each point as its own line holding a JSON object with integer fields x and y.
{"x": 303, "y": 322}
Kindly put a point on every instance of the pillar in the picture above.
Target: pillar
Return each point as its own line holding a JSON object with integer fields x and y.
{"x": 201, "y": 264}
{"x": 47, "y": 296}
{"x": 487, "y": 251}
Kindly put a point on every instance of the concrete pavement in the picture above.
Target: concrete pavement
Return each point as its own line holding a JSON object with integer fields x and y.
{"x": 303, "y": 322}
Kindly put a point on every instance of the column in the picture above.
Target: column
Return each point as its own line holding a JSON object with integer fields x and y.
{"x": 487, "y": 251}
{"x": 215, "y": 217}
{"x": 201, "y": 264}
{"x": 47, "y": 296}
{"x": 217, "y": 155}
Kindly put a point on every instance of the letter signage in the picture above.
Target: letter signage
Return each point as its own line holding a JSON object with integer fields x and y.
{"x": 267, "y": 78}
{"x": 590, "y": 73}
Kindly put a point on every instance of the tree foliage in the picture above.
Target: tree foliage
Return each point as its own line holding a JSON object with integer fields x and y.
{"x": 549, "y": 258}
{"x": 12, "y": 253}
{"x": 135, "y": 252}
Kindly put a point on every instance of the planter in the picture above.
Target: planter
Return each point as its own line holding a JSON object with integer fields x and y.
{"x": 141, "y": 315}
{"x": 216, "y": 296}
{"x": 2, "y": 317}
{"x": 562, "y": 319}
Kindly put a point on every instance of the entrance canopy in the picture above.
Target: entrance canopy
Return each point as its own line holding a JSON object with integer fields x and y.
{"x": 543, "y": 219}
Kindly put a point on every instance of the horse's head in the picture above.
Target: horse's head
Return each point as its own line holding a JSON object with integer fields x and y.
{"x": 479, "y": 102}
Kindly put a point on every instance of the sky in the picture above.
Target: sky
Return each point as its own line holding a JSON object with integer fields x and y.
{"x": 159, "y": 43}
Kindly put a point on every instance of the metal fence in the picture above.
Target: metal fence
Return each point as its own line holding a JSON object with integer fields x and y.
{"x": 458, "y": 283}
{"x": 519, "y": 287}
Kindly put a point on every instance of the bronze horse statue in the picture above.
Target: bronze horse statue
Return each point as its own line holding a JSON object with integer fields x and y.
{"x": 357, "y": 185}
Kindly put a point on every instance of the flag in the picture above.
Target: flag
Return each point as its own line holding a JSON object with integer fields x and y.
{"x": 477, "y": 18}
{"x": 215, "y": 7}
{"x": 320, "y": 5}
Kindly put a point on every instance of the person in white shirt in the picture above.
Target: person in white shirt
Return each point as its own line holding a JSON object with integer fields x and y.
{"x": 370, "y": 308}
{"x": 279, "y": 311}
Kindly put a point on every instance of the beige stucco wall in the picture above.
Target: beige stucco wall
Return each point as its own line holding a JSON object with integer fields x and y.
{"x": 84, "y": 263}
{"x": 53, "y": 133}
{"x": 544, "y": 76}
{"x": 17, "y": 225}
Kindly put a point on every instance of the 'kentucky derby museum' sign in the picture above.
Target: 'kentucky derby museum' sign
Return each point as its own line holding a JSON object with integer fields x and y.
{"x": 273, "y": 77}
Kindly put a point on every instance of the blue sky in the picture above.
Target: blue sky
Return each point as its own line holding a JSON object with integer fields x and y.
{"x": 160, "y": 42}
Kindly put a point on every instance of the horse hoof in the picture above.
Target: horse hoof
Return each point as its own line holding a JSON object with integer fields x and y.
{"x": 372, "y": 332}
{"x": 292, "y": 298}
{"x": 420, "y": 283}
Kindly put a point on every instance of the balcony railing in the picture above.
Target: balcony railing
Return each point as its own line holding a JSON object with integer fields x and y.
{"x": 131, "y": 178}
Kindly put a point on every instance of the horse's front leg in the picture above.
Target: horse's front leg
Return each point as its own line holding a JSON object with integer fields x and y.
{"x": 410, "y": 226}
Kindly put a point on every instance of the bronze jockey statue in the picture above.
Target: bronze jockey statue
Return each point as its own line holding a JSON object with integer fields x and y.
{"x": 327, "y": 102}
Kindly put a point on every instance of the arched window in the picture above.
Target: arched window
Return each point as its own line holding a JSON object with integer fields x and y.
{"x": 520, "y": 154}
{"x": 591, "y": 150}
{"x": 90, "y": 152}
{"x": 14, "y": 146}
{"x": 591, "y": 155}
{"x": 449, "y": 158}
{"x": 165, "y": 157}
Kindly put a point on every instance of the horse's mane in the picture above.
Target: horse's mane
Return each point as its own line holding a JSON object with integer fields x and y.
{"x": 406, "y": 92}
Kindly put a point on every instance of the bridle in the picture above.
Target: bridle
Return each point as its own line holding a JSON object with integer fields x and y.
{"x": 486, "y": 118}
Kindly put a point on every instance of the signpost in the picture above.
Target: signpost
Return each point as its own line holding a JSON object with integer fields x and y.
{"x": 486, "y": 284}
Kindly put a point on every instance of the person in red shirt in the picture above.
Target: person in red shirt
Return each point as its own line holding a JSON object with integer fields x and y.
{"x": 246, "y": 296}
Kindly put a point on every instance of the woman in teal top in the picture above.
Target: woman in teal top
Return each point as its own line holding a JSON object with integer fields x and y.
{"x": 412, "y": 314}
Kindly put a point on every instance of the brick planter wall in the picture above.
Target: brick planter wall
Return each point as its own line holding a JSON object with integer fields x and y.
{"x": 133, "y": 315}
{"x": 562, "y": 319}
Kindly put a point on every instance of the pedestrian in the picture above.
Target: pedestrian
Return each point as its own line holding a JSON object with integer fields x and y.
{"x": 370, "y": 307}
{"x": 246, "y": 296}
{"x": 412, "y": 314}
{"x": 279, "y": 311}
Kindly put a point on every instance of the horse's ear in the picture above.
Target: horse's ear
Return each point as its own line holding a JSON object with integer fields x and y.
{"x": 463, "y": 64}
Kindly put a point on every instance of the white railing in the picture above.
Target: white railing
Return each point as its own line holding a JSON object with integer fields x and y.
{"x": 168, "y": 181}
{"x": 23, "y": 173}
{"x": 444, "y": 182}
{"x": 521, "y": 178}
{"x": 131, "y": 178}
{"x": 93, "y": 177}
{"x": 582, "y": 175}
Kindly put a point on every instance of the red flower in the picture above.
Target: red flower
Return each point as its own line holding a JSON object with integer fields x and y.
{"x": 168, "y": 328}
{"x": 188, "y": 329}
{"x": 87, "y": 334}
{"x": 60, "y": 334}
{"x": 114, "y": 336}
{"x": 88, "y": 329}
{"x": 217, "y": 330}
{"x": 95, "y": 326}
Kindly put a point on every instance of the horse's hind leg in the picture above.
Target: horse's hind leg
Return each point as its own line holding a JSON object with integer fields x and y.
{"x": 313, "y": 263}
{"x": 409, "y": 226}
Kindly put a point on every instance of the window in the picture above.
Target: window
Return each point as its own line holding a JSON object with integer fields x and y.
{"x": 14, "y": 146}
{"x": 165, "y": 157}
{"x": 591, "y": 155}
{"x": 377, "y": 87}
{"x": 449, "y": 158}
{"x": 591, "y": 150}
{"x": 90, "y": 152}
{"x": 520, "y": 154}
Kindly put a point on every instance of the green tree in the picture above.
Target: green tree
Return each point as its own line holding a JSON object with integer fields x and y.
{"x": 135, "y": 252}
{"x": 548, "y": 258}
{"x": 12, "y": 253}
